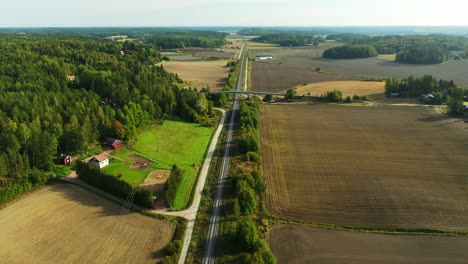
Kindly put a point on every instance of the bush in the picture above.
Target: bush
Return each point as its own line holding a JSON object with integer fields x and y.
{"x": 334, "y": 96}
{"x": 356, "y": 97}
{"x": 249, "y": 141}
{"x": 267, "y": 98}
{"x": 348, "y": 99}
{"x": 247, "y": 236}
{"x": 253, "y": 156}
{"x": 174, "y": 247}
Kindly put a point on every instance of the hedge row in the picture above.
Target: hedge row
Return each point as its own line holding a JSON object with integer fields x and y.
{"x": 93, "y": 176}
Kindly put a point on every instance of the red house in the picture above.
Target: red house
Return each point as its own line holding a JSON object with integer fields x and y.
{"x": 64, "y": 159}
{"x": 113, "y": 143}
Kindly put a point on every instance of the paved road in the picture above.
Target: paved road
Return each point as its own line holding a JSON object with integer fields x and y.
{"x": 209, "y": 256}
{"x": 191, "y": 212}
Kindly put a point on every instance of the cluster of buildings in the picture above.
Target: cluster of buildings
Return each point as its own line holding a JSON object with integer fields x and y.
{"x": 98, "y": 161}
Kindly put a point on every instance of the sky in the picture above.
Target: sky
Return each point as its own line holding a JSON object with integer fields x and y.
{"x": 157, "y": 13}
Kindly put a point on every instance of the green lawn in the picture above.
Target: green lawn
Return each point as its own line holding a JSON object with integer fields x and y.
{"x": 176, "y": 142}
{"x": 131, "y": 176}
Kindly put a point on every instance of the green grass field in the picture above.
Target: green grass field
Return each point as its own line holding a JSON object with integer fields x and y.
{"x": 117, "y": 166}
{"x": 176, "y": 142}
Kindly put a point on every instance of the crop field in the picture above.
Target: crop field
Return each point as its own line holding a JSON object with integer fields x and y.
{"x": 303, "y": 244}
{"x": 309, "y": 57}
{"x": 64, "y": 223}
{"x": 200, "y": 74}
{"x": 180, "y": 143}
{"x": 381, "y": 166}
{"x": 269, "y": 77}
{"x": 347, "y": 88}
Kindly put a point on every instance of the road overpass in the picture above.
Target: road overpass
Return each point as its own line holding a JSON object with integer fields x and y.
{"x": 252, "y": 93}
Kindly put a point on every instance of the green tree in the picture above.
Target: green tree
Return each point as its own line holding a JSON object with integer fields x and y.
{"x": 290, "y": 94}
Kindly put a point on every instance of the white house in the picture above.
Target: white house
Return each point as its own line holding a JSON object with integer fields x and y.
{"x": 99, "y": 161}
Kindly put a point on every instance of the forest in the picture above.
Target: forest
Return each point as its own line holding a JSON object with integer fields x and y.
{"x": 289, "y": 39}
{"x": 202, "y": 39}
{"x": 61, "y": 94}
{"x": 284, "y": 38}
{"x": 415, "y": 49}
{"x": 350, "y": 52}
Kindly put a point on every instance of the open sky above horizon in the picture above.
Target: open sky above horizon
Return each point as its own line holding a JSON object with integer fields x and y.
{"x": 89, "y": 13}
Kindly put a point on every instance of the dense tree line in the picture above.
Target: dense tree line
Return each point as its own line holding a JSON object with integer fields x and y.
{"x": 350, "y": 52}
{"x": 185, "y": 39}
{"x": 430, "y": 49}
{"x": 62, "y": 94}
{"x": 442, "y": 91}
{"x": 172, "y": 184}
{"x": 111, "y": 184}
{"x": 416, "y": 86}
{"x": 290, "y": 39}
{"x": 244, "y": 230}
{"x": 249, "y": 139}
{"x": 424, "y": 54}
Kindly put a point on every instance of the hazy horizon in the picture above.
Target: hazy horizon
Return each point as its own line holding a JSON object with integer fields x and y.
{"x": 229, "y": 13}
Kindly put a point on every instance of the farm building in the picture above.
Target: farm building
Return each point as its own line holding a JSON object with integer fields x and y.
{"x": 64, "y": 159}
{"x": 428, "y": 97}
{"x": 99, "y": 161}
{"x": 465, "y": 108}
{"x": 113, "y": 143}
{"x": 456, "y": 54}
{"x": 263, "y": 57}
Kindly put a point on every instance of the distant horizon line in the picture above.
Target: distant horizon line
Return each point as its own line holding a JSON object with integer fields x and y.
{"x": 278, "y": 26}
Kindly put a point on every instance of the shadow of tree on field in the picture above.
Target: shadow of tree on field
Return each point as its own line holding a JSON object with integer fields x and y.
{"x": 440, "y": 120}
{"x": 432, "y": 118}
{"x": 85, "y": 197}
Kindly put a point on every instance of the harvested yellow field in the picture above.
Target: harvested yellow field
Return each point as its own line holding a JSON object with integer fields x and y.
{"x": 348, "y": 88}
{"x": 387, "y": 57}
{"x": 200, "y": 74}
{"x": 65, "y": 223}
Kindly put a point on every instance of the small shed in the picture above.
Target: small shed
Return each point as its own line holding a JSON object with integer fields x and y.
{"x": 99, "y": 161}
{"x": 64, "y": 159}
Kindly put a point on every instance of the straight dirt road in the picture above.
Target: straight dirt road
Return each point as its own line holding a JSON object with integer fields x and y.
{"x": 209, "y": 256}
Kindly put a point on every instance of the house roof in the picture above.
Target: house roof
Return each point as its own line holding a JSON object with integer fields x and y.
{"x": 101, "y": 157}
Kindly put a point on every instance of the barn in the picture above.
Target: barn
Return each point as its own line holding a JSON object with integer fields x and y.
{"x": 113, "y": 143}
{"x": 99, "y": 161}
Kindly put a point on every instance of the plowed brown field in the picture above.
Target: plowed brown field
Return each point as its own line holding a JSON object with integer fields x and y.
{"x": 269, "y": 77}
{"x": 295, "y": 244}
{"x": 386, "y": 166}
{"x": 67, "y": 224}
